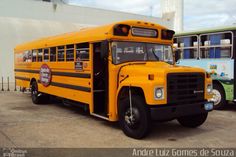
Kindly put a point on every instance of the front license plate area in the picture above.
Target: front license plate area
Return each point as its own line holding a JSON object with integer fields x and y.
{"x": 208, "y": 106}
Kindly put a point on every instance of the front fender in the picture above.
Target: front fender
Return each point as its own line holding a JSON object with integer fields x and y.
{"x": 147, "y": 86}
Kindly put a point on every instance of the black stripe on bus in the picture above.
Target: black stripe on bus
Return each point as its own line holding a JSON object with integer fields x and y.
{"x": 84, "y": 89}
{"x": 22, "y": 78}
{"x": 28, "y": 71}
{"x": 71, "y": 74}
{"x": 80, "y": 75}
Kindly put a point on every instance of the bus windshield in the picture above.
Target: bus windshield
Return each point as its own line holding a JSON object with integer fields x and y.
{"x": 139, "y": 51}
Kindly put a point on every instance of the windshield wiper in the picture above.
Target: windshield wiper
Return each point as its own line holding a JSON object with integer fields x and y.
{"x": 153, "y": 52}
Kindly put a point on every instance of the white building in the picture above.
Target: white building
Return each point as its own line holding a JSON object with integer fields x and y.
{"x": 25, "y": 20}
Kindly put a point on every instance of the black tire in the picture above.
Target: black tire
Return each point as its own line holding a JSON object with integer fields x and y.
{"x": 139, "y": 126}
{"x": 193, "y": 121}
{"x": 37, "y": 97}
{"x": 219, "y": 104}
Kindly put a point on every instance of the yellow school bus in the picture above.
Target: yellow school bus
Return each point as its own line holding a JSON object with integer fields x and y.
{"x": 123, "y": 72}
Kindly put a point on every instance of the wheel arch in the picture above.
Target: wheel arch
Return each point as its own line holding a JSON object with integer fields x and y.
{"x": 124, "y": 92}
{"x": 217, "y": 82}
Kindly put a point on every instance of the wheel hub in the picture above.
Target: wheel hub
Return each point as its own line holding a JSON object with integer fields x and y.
{"x": 132, "y": 119}
{"x": 216, "y": 97}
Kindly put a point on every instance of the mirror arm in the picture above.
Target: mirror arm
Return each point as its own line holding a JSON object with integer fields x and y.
{"x": 174, "y": 55}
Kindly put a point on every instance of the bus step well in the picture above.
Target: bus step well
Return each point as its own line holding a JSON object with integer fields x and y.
{"x": 100, "y": 116}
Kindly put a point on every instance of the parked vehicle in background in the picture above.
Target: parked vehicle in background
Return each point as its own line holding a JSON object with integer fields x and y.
{"x": 214, "y": 51}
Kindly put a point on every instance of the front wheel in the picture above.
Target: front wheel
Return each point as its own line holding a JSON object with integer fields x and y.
{"x": 218, "y": 97}
{"x": 193, "y": 121}
{"x": 134, "y": 122}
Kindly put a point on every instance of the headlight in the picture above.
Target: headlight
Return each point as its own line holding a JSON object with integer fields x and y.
{"x": 159, "y": 93}
{"x": 209, "y": 88}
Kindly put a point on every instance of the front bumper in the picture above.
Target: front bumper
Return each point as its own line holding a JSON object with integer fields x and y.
{"x": 169, "y": 112}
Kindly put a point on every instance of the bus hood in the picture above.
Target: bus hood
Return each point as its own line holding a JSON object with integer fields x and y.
{"x": 155, "y": 68}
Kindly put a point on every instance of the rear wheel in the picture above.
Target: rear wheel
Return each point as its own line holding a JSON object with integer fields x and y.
{"x": 218, "y": 97}
{"x": 193, "y": 121}
{"x": 134, "y": 122}
{"x": 37, "y": 97}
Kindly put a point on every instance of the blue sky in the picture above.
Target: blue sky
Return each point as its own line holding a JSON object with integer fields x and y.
{"x": 197, "y": 13}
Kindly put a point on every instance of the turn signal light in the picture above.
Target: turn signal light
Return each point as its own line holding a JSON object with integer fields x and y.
{"x": 150, "y": 77}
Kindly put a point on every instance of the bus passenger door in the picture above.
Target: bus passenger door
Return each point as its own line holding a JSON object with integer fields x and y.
{"x": 100, "y": 83}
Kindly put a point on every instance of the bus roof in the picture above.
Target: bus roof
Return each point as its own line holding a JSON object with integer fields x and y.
{"x": 83, "y": 35}
{"x": 212, "y": 30}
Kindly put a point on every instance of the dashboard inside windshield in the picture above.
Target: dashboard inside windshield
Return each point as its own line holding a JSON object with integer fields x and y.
{"x": 138, "y": 51}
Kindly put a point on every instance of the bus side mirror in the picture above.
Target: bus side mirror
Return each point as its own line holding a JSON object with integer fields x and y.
{"x": 104, "y": 49}
{"x": 177, "y": 55}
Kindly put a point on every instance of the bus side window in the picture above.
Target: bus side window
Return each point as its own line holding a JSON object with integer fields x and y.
{"x": 61, "y": 54}
{"x": 46, "y": 55}
{"x": 187, "y": 46}
{"x": 40, "y": 55}
{"x": 69, "y": 52}
{"x": 82, "y": 51}
{"x": 190, "y": 45}
{"x": 53, "y": 54}
{"x": 218, "y": 45}
{"x": 34, "y": 56}
{"x": 226, "y": 43}
{"x": 215, "y": 40}
{"x": 27, "y": 56}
